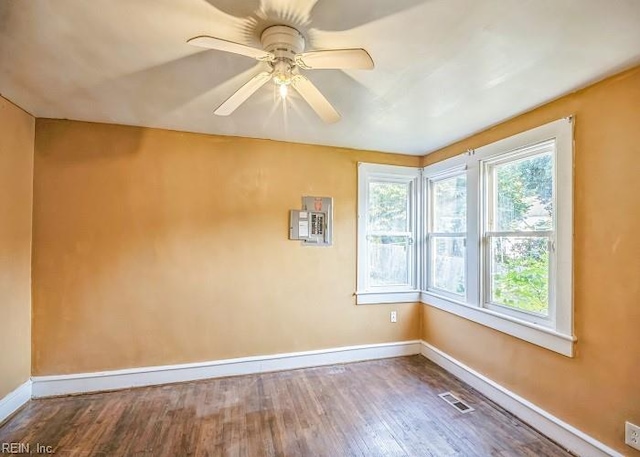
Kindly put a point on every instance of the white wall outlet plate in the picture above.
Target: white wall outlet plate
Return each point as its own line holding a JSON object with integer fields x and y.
{"x": 632, "y": 435}
{"x": 394, "y": 316}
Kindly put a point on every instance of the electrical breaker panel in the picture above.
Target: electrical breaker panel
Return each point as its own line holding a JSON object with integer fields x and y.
{"x": 313, "y": 223}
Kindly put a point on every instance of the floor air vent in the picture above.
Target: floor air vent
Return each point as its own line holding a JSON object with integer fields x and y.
{"x": 456, "y": 402}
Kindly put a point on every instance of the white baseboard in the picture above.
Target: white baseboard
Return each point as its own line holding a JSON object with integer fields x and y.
{"x": 14, "y": 400}
{"x": 549, "y": 425}
{"x": 559, "y": 431}
{"x": 48, "y": 386}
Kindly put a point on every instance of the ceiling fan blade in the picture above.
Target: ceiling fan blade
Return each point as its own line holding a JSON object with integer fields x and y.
{"x": 246, "y": 91}
{"x": 210, "y": 42}
{"x": 340, "y": 59}
{"x": 315, "y": 99}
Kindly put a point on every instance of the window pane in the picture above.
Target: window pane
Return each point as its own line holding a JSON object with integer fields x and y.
{"x": 388, "y": 260}
{"x": 448, "y": 264}
{"x": 449, "y": 202}
{"x": 388, "y": 207}
{"x": 520, "y": 273}
{"x": 524, "y": 194}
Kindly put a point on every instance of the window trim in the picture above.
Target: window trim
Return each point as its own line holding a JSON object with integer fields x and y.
{"x": 557, "y": 333}
{"x": 394, "y": 294}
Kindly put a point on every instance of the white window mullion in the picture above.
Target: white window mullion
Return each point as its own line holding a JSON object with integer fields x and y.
{"x": 416, "y": 216}
{"x": 424, "y": 232}
{"x": 518, "y": 234}
{"x": 385, "y": 233}
{"x": 563, "y": 242}
{"x": 473, "y": 235}
{"x": 420, "y": 231}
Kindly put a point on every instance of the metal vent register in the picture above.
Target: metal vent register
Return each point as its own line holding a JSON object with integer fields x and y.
{"x": 456, "y": 402}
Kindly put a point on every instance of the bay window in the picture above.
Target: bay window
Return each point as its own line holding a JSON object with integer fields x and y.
{"x": 495, "y": 231}
{"x": 519, "y": 222}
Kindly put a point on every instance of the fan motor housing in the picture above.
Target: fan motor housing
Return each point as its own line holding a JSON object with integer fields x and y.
{"x": 283, "y": 41}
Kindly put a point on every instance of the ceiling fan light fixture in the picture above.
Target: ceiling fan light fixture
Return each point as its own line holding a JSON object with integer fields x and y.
{"x": 283, "y": 89}
{"x": 283, "y": 51}
{"x": 282, "y": 77}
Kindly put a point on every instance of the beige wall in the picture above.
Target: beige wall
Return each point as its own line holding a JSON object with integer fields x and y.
{"x": 598, "y": 389}
{"x": 155, "y": 247}
{"x": 16, "y": 189}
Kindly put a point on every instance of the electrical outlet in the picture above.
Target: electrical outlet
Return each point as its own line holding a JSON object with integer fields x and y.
{"x": 394, "y": 316}
{"x": 632, "y": 435}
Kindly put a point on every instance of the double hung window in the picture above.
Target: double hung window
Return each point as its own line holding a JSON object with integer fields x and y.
{"x": 447, "y": 234}
{"x": 486, "y": 235}
{"x": 387, "y": 229}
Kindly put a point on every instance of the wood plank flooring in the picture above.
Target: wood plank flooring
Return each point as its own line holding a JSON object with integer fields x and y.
{"x": 378, "y": 408}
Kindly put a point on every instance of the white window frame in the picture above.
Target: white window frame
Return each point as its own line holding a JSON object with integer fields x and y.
{"x": 556, "y": 332}
{"x": 429, "y": 233}
{"x": 365, "y": 293}
{"x": 487, "y": 234}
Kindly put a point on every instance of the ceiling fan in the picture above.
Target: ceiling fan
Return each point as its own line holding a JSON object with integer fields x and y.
{"x": 283, "y": 48}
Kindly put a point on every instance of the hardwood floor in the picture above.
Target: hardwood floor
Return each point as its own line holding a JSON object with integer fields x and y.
{"x": 379, "y": 408}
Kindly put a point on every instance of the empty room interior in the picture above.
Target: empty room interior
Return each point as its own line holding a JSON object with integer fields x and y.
{"x": 320, "y": 228}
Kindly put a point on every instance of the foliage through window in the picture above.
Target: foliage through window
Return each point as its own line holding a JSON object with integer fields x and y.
{"x": 519, "y": 199}
{"x": 389, "y": 238}
{"x": 486, "y": 235}
{"x": 387, "y": 228}
{"x": 498, "y": 235}
{"x": 447, "y": 234}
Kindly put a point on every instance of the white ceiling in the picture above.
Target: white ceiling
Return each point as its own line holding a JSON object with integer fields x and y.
{"x": 444, "y": 68}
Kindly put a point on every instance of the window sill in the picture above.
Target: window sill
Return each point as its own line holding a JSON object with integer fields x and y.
{"x": 535, "y": 334}
{"x": 374, "y": 298}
